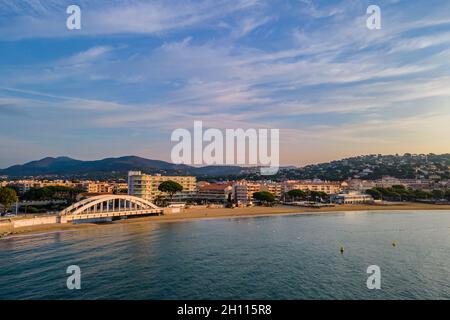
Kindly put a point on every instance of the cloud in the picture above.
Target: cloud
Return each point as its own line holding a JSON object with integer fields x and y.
{"x": 42, "y": 19}
{"x": 312, "y": 69}
{"x": 90, "y": 54}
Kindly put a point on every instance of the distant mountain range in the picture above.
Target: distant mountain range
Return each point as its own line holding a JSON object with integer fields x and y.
{"x": 370, "y": 167}
{"x": 65, "y": 166}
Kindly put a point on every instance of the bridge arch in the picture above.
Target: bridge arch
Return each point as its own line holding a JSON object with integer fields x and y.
{"x": 108, "y": 203}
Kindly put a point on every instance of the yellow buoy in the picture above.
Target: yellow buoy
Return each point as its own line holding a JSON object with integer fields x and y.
{"x": 394, "y": 244}
{"x": 342, "y": 250}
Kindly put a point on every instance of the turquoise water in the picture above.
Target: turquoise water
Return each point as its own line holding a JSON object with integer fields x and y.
{"x": 284, "y": 257}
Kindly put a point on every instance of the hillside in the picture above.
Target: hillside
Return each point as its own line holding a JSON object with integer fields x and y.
{"x": 369, "y": 167}
{"x": 109, "y": 167}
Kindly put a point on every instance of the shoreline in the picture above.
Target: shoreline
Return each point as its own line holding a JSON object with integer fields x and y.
{"x": 224, "y": 213}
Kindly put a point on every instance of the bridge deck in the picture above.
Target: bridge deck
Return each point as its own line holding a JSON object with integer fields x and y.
{"x": 94, "y": 215}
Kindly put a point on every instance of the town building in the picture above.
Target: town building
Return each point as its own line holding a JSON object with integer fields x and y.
{"x": 360, "y": 185}
{"x": 387, "y": 182}
{"x": 241, "y": 194}
{"x": 146, "y": 186}
{"x": 97, "y": 187}
{"x": 329, "y": 187}
{"x": 214, "y": 192}
{"x": 120, "y": 187}
{"x": 243, "y": 190}
{"x": 351, "y": 198}
{"x": 24, "y": 185}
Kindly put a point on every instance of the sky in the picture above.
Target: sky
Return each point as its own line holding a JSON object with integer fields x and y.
{"x": 138, "y": 70}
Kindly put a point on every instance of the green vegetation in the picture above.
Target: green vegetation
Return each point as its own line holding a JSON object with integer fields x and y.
{"x": 229, "y": 203}
{"x": 367, "y": 167}
{"x": 264, "y": 197}
{"x": 307, "y": 195}
{"x": 170, "y": 187}
{"x": 8, "y": 196}
{"x": 317, "y": 196}
{"x": 32, "y": 209}
{"x": 400, "y": 193}
{"x": 45, "y": 208}
{"x": 372, "y": 167}
{"x": 51, "y": 193}
{"x": 297, "y": 194}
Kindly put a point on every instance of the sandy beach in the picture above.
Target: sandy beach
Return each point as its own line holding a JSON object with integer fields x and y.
{"x": 212, "y": 213}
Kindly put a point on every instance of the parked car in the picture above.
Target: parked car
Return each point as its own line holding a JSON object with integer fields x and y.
{"x": 10, "y": 215}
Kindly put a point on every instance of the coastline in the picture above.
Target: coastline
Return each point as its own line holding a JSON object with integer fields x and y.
{"x": 221, "y": 213}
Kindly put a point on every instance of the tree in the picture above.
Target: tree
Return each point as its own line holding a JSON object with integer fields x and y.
{"x": 438, "y": 194}
{"x": 51, "y": 193}
{"x": 8, "y": 196}
{"x": 314, "y": 195}
{"x": 376, "y": 194}
{"x": 447, "y": 194}
{"x": 170, "y": 187}
{"x": 418, "y": 195}
{"x": 297, "y": 194}
{"x": 264, "y": 197}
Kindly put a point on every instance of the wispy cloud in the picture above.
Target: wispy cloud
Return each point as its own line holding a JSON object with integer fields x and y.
{"x": 310, "y": 68}
{"x": 39, "y": 18}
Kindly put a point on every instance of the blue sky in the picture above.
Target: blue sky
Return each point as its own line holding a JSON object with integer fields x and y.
{"x": 137, "y": 70}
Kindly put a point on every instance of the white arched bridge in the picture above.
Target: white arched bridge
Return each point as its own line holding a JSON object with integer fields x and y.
{"x": 108, "y": 206}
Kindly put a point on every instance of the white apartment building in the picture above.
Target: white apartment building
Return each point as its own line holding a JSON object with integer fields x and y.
{"x": 146, "y": 186}
{"x": 352, "y": 198}
{"x": 360, "y": 185}
{"x": 306, "y": 185}
{"x": 243, "y": 190}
